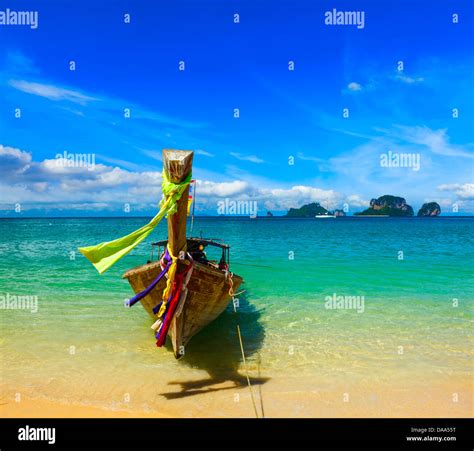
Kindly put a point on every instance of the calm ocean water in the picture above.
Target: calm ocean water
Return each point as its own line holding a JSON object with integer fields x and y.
{"x": 82, "y": 336}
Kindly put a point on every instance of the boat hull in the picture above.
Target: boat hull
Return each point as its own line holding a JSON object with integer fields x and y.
{"x": 208, "y": 296}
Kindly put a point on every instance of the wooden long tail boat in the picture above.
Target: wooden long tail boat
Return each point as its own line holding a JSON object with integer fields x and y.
{"x": 210, "y": 285}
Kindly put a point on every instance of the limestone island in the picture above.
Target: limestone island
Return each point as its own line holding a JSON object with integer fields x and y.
{"x": 312, "y": 210}
{"x": 387, "y": 206}
{"x": 429, "y": 209}
{"x": 307, "y": 211}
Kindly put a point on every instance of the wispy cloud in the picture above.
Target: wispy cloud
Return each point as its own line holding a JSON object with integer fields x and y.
{"x": 304, "y": 157}
{"x": 119, "y": 162}
{"x": 155, "y": 154}
{"x": 17, "y": 62}
{"x": 251, "y": 158}
{"x": 352, "y": 133}
{"x": 204, "y": 153}
{"x": 409, "y": 80}
{"x": 50, "y": 91}
{"x": 437, "y": 141}
{"x": 103, "y": 107}
{"x": 152, "y": 116}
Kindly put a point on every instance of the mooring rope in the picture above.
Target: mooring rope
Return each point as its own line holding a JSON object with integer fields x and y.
{"x": 234, "y": 299}
{"x": 246, "y": 371}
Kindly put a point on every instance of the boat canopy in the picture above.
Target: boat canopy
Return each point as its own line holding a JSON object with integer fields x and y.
{"x": 210, "y": 242}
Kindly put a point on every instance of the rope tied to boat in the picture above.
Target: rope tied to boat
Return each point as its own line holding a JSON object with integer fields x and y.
{"x": 229, "y": 277}
{"x": 235, "y": 302}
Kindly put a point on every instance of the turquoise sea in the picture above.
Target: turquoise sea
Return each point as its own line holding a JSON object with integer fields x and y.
{"x": 82, "y": 346}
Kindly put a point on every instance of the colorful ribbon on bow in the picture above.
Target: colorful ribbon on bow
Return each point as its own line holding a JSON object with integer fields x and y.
{"x": 163, "y": 323}
{"x": 104, "y": 255}
{"x": 169, "y": 282}
{"x": 138, "y": 297}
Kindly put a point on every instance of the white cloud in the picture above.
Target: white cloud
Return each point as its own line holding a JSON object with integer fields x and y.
{"x": 251, "y": 158}
{"x": 282, "y": 199}
{"x": 353, "y": 86}
{"x": 357, "y": 201}
{"x": 48, "y": 184}
{"x": 463, "y": 191}
{"x": 51, "y": 181}
{"x": 221, "y": 189}
{"x": 40, "y": 187}
{"x": 50, "y": 91}
{"x": 13, "y": 159}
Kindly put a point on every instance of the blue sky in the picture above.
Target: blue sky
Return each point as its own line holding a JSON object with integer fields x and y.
{"x": 230, "y": 65}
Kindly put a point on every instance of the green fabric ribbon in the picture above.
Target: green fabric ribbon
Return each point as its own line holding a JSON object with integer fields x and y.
{"x": 104, "y": 255}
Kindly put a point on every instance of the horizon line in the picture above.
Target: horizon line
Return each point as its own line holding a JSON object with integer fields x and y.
{"x": 234, "y": 217}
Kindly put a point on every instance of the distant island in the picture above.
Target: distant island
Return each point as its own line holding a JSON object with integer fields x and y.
{"x": 387, "y": 205}
{"x": 429, "y": 209}
{"x": 311, "y": 210}
{"x": 307, "y": 211}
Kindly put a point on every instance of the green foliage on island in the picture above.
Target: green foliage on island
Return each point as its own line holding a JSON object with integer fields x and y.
{"x": 387, "y": 206}
{"x": 429, "y": 209}
{"x": 306, "y": 211}
{"x": 384, "y": 211}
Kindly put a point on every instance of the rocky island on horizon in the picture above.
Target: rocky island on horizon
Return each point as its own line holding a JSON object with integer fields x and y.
{"x": 307, "y": 211}
{"x": 386, "y": 205}
{"x": 429, "y": 209}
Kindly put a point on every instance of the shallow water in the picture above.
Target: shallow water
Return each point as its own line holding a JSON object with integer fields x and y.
{"x": 83, "y": 346}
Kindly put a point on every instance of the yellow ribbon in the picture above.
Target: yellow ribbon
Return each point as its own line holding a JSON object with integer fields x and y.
{"x": 104, "y": 255}
{"x": 169, "y": 282}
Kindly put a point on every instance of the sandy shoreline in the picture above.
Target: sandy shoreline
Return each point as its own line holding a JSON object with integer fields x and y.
{"x": 275, "y": 399}
{"x": 40, "y": 408}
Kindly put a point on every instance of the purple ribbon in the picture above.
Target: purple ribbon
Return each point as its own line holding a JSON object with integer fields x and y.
{"x": 146, "y": 291}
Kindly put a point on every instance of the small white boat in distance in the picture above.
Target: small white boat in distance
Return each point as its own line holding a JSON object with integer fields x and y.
{"x": 325, "y": 216}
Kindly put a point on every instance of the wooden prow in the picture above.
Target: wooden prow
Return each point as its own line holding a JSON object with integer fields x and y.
{"x": 178, "y": 164}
